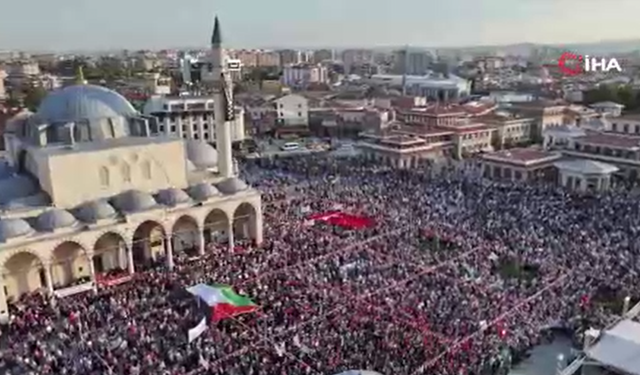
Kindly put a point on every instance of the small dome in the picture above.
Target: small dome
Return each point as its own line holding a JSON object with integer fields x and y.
{"x": 51, "y": 220}
{"x": 203, "y": 191}
{"x": 232, "y": 185}
{"x": 134, "y": 201}
{"x": 91, "y": 212}
{"x": 190, "y": 166}
{"x": 173, "y": 197}
{"x": 201, "y": 154}
{"x": 13, "y": 228}
{"x": 17, "y": 186}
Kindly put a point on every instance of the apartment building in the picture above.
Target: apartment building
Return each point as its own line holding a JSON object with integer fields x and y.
{"x": 300, "y": 76}
{"x": 191, "y": 117}
{"x": 292, "y": 110}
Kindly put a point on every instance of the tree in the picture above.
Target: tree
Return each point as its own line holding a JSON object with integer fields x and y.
{"x": 33, "y": 96}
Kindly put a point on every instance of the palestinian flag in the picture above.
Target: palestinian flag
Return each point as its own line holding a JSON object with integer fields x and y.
{"x": 230, "y": 303}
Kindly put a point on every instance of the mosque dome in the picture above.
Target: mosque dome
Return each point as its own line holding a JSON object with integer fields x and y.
{"x": 173, "y": 197}
{"x": 83, "y": 102}
{"x": 51, "y": 220}
{"x": 201, "y": 154}
{"x": 203, "y": 191}
{"x": 91, "y": 212}
{"x": 13, "y": 228}
{"x": 134, "y": 201}
{"x": 232, "y": 185}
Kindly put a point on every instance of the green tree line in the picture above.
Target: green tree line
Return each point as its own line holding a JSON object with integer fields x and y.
{"x": 624, "y": 95}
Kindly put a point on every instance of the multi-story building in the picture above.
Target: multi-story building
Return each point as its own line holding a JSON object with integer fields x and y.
{"x": 412, "y": 62}
{"x": 435, "y": 87}
{"x": 356, "y": 56}
{"x": 610, "y": 109}
{"x": 627, "y": 124}
{"x": 511, "y": 129}
{"x": 3, "y": 75}
{"x": 256, "y": 57}
{"x": 292, "y": 111}
{"x": 268, "y": 59}
{"x": 548, "y": 114}
{"x": 191, "y": 117}
{"x": 301, "y": 75}
{"x": 21, "y": 73}
{"x": 322, "y": 55}
{"x": 191, "y": 69}
{"x": 289, "y": 56}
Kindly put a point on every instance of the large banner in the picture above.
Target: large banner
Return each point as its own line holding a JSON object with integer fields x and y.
{"x": 73, "y": 290}
{"x": 196, "y": 331}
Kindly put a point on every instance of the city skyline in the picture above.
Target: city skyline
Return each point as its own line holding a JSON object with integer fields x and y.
{"x": 79, "y": 25}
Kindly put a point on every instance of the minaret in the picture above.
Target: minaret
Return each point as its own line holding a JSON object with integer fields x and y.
{"x": 224, "y": 111}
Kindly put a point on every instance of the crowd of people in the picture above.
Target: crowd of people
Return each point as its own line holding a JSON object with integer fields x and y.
{"x": 455, "y": 274}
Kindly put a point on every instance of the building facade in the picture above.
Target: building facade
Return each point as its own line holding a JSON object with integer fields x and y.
{"x": 142, "y": 196}
{"x": 191, "y": 117}
{"x": 292, "y": 110}
{"x": 300, "y": 76}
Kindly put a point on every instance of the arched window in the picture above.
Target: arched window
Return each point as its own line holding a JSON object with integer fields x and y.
{"x": 126, "y": 172}
{"x": 146, "y": 169}
{"x": 104, "y": 176}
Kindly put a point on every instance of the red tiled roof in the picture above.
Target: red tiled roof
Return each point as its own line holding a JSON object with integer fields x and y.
{"x": 522, "y": 155}
{"x": 424, "y": 131}
{"x": 472, "y": 129}
{"x": 479, "y": 109}
{"x": 611, "y": 140}
{"x": 436, "y": 110}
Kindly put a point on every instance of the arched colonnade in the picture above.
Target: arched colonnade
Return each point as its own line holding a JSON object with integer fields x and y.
{"x": 73, "y": 261}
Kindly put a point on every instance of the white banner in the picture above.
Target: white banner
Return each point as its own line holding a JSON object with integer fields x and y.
{"x": 72, "y": 290}
{"x": 196, "y": 331}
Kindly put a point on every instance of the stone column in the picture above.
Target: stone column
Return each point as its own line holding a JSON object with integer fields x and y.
{"x": 258, "y": 227}
{"x": 230, "y": 235}
{"x": 130, "y": 265}
{"x": 4, "y": 308}
{"x": 48, "y": 281}
{"x": 168, "y": 251}
{"x": 92, "y": 271}
{"x": 201, "y": 243}
{"x": 122, "y": 256}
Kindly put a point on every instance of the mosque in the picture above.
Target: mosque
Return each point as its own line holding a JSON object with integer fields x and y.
{"x": 90, "y": 185}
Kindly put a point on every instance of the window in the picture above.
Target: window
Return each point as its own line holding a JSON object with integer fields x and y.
{"x": 299, "y": 114}
{"x": 126, "y": 172}
{"x": 104, "y": 176}
{"x": 195, "y": 136}
{"x": 161, "y": 128}
{"x": 146, "y": 169}
{"x": 173, "y": 128}
{"x": 206, "y": 135}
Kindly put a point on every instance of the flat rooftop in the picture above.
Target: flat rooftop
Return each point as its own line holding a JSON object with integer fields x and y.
{"x": 522, "y": 156}
{"x": 610, "y": 140}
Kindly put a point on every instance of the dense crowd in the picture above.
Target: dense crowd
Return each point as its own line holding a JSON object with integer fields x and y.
{"x": 455, "y": 273}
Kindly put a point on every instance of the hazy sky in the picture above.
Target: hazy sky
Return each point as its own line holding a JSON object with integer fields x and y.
{"x": 94, "y": 24}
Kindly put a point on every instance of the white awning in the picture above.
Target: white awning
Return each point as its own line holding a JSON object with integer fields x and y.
{"x": 619, "y": 347}
{"x": 584, "y": 166}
